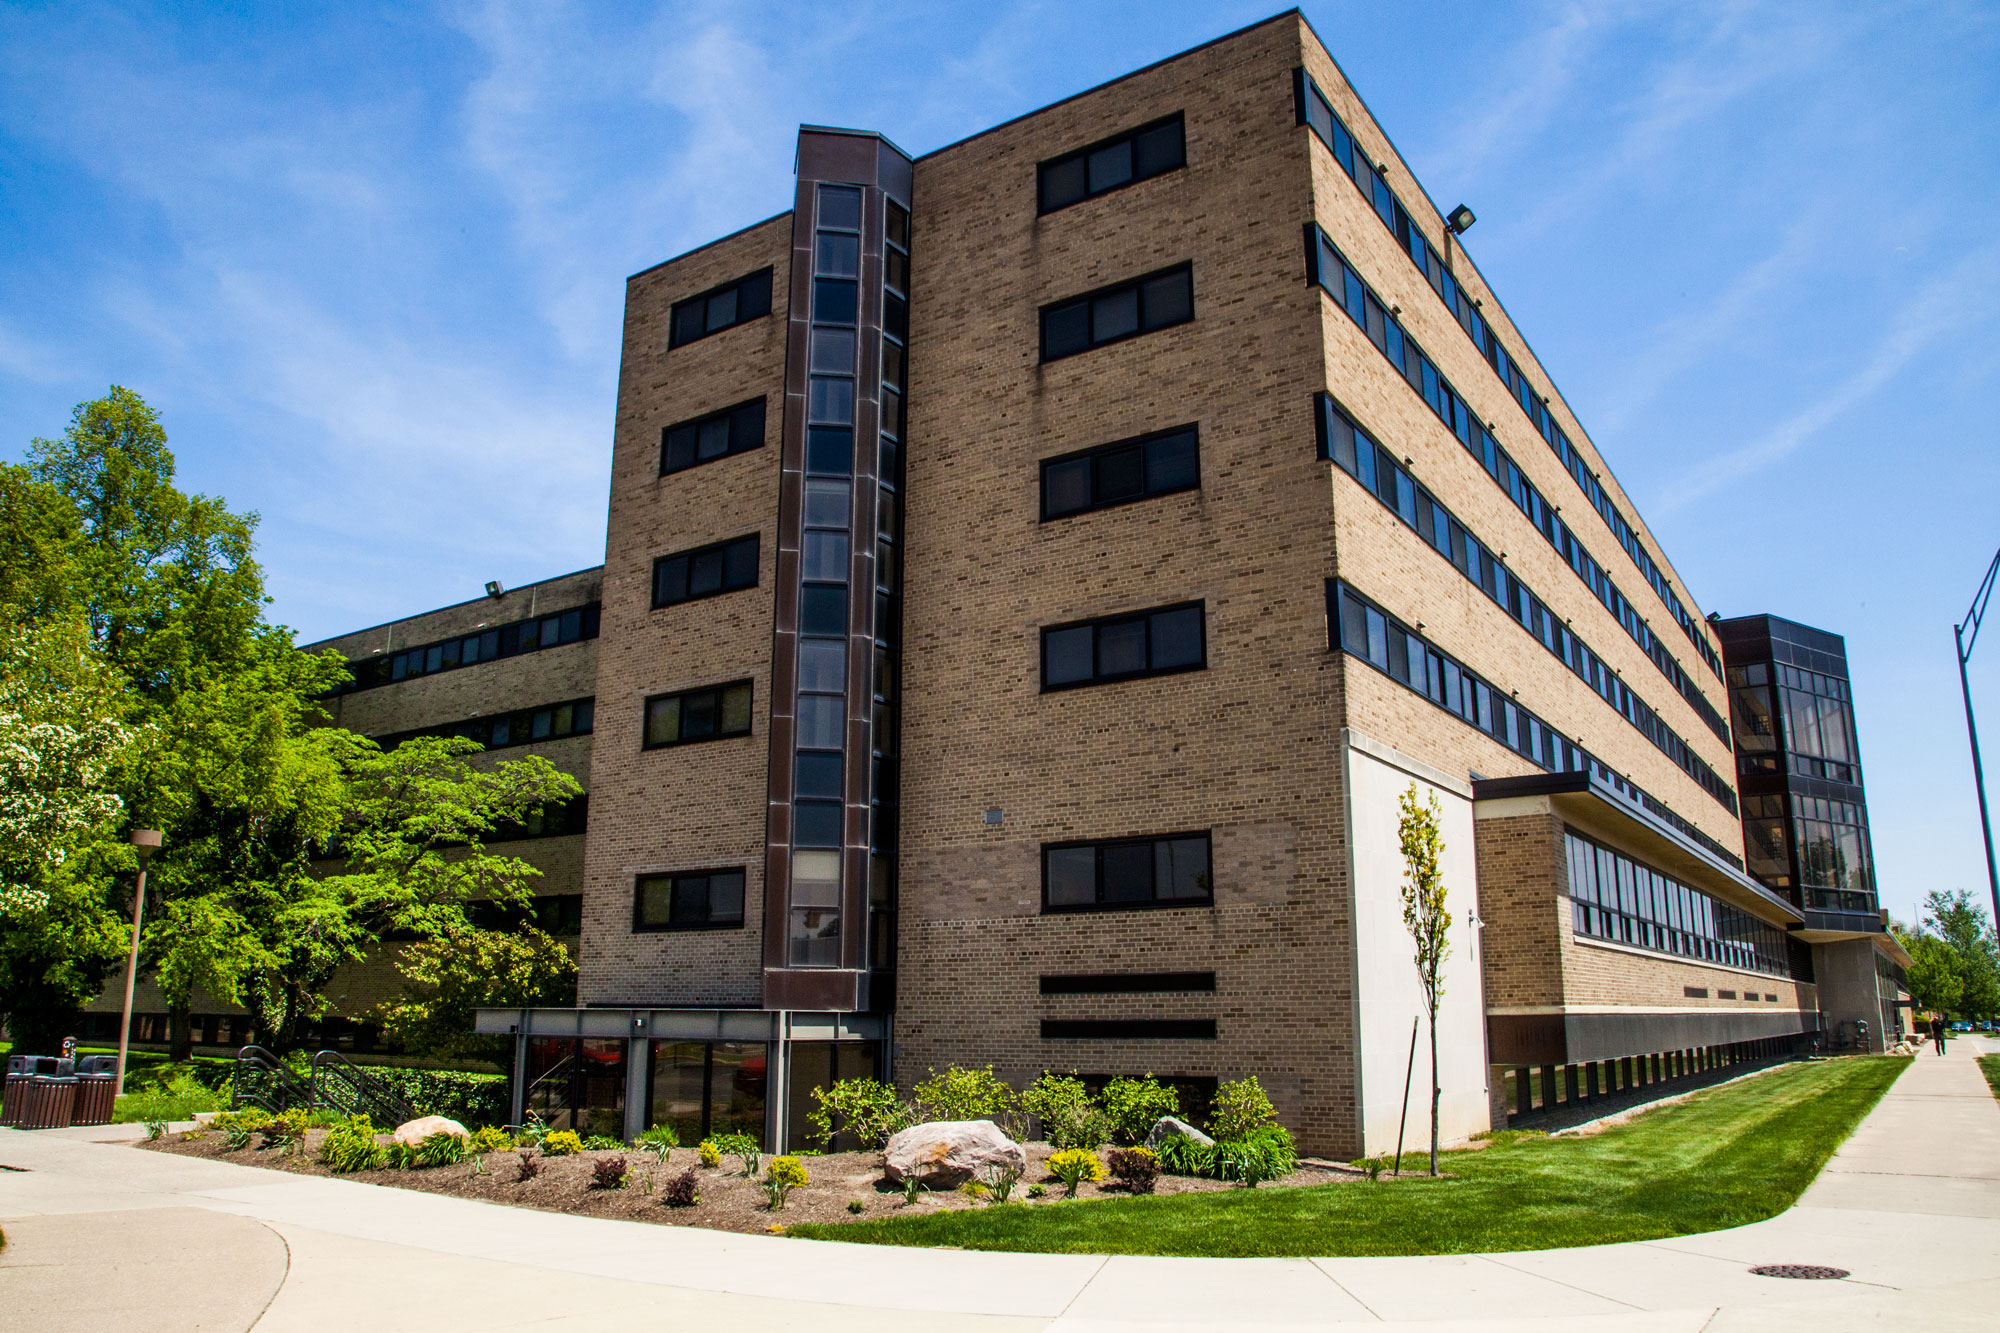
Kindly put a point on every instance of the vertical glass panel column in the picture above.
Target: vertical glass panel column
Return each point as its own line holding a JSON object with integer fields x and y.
{"x": 883, "y": 775}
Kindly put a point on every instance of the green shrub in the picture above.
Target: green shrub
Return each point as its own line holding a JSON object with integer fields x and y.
{"x": 1138, "y": 1169}
{"x": 440, "y": 1149}
{"x": 533, "y": 1131}
{"x": 1073, "y": 1166}
{"x": 746, "y": 1150}
{"x": 856, "y": 1207}
{"x": 963, "y": 1094}
{"x": 784, "y": 1175}
{"x": 562, "y": 1143}
{"x": 864, "y": 1107}
{"x": 287, "y": 1132}
{"x": 1070, "y": 1116}
{"x": 1134, "y": 1104}
{"x": 459, "y": 1094}
{"x": 402, "y": 1156}
{"x": 1187, "y": 1157}
{"x": 912, "y": 1187}
{"x": 659, "y": 1136}
{"x": 1266, "y": 1153}
{"x": 351, "y": 1147}
{"x": 236, "y": 1136}
{"x": 711, "y": 1156}
{"x": 155, "y": 1129}
{"x": 177, "y": 1097}
{"x": 1240, "y": 1107}
{"x": 1037, "y": 1190}
{"x": 602, "y": 1143}
{"x": 1000, "y": 1178}
{"x": 489, "y": 1138}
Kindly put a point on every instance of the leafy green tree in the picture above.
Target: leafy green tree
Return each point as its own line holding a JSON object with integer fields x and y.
{"x": 1426, "y": 917}
{"x": 448, "y": 977}
{"x": 1962, "y": 924}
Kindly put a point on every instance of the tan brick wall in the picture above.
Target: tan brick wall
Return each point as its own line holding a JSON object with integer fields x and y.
{"x": 1248, "y": 747}
{"x": 702, "y": 805}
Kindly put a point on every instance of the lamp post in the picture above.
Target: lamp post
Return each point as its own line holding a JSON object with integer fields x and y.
{"x": 145, "y": 841}
{"x": 1965, "y": 642}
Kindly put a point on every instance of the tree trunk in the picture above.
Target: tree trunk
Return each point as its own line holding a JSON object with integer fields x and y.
{"x": 1434, "y": 1089}
{"x": 180, "y": 1034}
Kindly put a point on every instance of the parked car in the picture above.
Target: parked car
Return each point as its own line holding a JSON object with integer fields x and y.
{"x": 1961, "y": 1026}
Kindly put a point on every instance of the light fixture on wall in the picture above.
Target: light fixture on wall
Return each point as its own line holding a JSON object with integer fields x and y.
{"x": 1460, "y": 220}
{"x": 493, "y": 588}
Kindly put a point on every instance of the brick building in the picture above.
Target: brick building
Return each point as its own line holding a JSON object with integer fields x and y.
{"x": 1034, "y": 573}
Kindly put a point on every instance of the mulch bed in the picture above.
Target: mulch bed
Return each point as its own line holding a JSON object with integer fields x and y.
{"x": 729, "y": 1202}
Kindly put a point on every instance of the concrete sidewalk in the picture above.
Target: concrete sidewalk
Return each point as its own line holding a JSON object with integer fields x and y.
{"x": 1911, "y": 1205}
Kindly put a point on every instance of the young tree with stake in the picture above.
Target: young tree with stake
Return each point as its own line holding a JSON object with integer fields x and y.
{"x": 1425, "y": 915}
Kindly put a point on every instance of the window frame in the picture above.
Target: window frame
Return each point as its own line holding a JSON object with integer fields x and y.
{"x": 756, "y": 539}
{"x": 761, "y": 401}
{"x": 1096, "y": 623}
{"x": 674, "y": 340}
{"x": 1098, "y": 845}
{"x": 673, "y": 877}
{"x": 646, "y": 706}
{"x": 1134, "y": 285}
{"x": 1137, "y": 441}
{"x": 1042, "y": 206}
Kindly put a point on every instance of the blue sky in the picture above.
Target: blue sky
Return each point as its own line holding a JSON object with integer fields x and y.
{"x": 368, "y": 262}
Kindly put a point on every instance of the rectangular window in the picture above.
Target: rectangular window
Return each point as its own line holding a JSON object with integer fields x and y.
{"x": 1146, "y": 643}
{"x": 1171, "y": 871}
{"x": 706, "y": 571}
{"x": 711, "y": 714}
{"x": 1115, "y": 474}
{"x": 734, "y": 430}
{"x": 725, "y": 307}
{"x": 1113, "y": 314}
{"x": 1136, "y": 155}
{"x": 689, "y": 900}
{"x": 550, "y": 722}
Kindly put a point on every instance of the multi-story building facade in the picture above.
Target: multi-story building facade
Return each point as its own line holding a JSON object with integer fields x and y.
{"x": 1805, "y": 815}
{"x": 1034, "y": 577}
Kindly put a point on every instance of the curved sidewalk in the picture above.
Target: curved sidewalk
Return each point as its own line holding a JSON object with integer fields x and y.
{"x": 1911, "y": 1205}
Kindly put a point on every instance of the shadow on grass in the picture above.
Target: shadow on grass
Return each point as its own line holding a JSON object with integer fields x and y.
{"x": 1723, "y": 1158}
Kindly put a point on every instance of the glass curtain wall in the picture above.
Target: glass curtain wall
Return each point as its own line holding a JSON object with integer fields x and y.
{"x": 708, "y": 1088}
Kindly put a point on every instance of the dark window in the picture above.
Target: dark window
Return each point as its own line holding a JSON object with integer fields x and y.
{"x": 691, "y": 900}
{"x": 550, "y": 722}
{"x": 1128, "y": 983}
{"x": 733, "y": 430}
{"x": 1136, "y": 155}
{"x": 1114, "y": 474}
{"x": 483, "y": 645}
{"x": 724, "y": 308}
{"x": 1147, "y": 643}
{"x": 706, "y": 571}
{"x": 1171, "y": 871}
{"x": 698, "y": 715}
{"x": 1156, "y": 301}
{"x": 1132, "y": 1029}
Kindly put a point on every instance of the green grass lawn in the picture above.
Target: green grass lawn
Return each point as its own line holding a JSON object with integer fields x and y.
{"x": 1989, "y": 1065}
{"x": 1732, "y": 1155}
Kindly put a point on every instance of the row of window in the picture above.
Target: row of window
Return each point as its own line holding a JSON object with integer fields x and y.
{"x": 720, "y": 308}
{"x": 509, "y": 640}
{"x": 1159, "y": 642}
{"x": 1151, "y": 150}
{"x": 1351, "y": 449}
{"x": 551, "y": 722}
{"x": 550, "y": 913}
{"x": 1328, "y": 268}
{"x": 1378, "y": 638}
{"x": 1316, "y": 111}
{"x": 1112, "y": 314}
{"x": 1818, "y": 719}
{"x": 1613, "y": 897}
{"x": 713, "y": 713}
{"x": 733, "y": 430}
{"x": 705, "y": 571}
{"x": 1114, "y": 474}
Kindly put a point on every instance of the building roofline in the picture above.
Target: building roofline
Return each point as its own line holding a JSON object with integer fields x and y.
{"x": 450, "y": 606}
{"x": 709, "y": 245}
{"x": 858, "y": 134}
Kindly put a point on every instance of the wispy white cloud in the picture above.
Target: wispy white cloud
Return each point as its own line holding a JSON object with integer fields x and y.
{"x": 31, "y": 359}
{"x": 1540, "y": 72}
{"x": 1943, "y": 307}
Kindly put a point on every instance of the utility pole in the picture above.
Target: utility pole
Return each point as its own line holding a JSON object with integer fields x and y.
{"x": 1965, "y": 642}
{"x": 145, "y": 841}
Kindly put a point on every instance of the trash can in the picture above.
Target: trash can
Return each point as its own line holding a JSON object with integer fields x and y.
{"x": 40, "y": 1092}
{"x": 96, "y": 1090}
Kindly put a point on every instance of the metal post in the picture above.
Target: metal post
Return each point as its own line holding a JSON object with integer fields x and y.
{"x": 144, "y": 842}
{"x": 1972, "y": 618}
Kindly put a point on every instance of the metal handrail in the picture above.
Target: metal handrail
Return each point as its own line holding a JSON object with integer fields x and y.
{"x": 338, "y": 1084}
{"x": 262, "y": 1080}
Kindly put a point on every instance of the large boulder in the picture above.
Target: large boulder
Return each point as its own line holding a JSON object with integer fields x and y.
{"x": 1173, "y": 1127}
{"x": 946, "y": 1153}
{"x": 416, "y": 1131}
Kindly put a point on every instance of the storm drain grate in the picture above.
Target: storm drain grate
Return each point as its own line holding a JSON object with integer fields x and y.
{"x": 1809, "y": 1272}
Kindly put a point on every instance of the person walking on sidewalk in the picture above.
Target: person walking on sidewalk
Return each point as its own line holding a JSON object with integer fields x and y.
{"x": 1937, "y": 1032}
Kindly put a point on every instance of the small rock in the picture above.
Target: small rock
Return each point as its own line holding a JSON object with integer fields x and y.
{"x": 416, "y": 1131}
{"x": 947, "y": 1153}
{"x": 1173, "y": 1127}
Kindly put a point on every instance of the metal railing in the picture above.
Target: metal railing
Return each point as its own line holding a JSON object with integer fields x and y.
{"x": 338, "y": 1084}
{"x": 262, "y": 1080}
